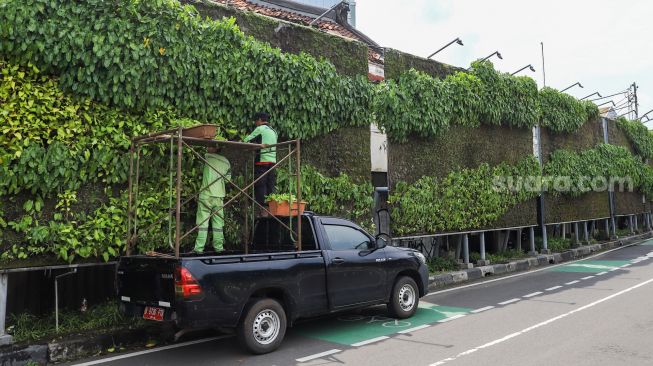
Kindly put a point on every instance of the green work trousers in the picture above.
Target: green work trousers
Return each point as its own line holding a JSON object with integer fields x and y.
{"x": 210, "y": 207}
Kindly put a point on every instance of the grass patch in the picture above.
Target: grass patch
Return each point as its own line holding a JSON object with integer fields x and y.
{"x": 501, "y": 257}
{"x": 27, "y": 327}
{"x": 442, "y": 264}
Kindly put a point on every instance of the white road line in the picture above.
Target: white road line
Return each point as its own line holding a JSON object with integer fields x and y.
{"x": 614, "y": 269}
{"x": 553, "y": 288}
{"x": 458, "y": 316}
{"x": 587, "y": 278}
{"x": 369, "y": 341}
{"x": 318, "y": 355}
{"x": 509, "y": 301}
{"x": 572, "y": 282}
{"x": 139, "y": 353}
{"x": 625, "y": 265}
{"x": 405, "y": 331}
{"x": 539, "y": 325}
{"x": 533, "y": 294}
{"x": 601, "y": 274}
{"x": 546, "y": 268}
{"x": 482, "y": 309}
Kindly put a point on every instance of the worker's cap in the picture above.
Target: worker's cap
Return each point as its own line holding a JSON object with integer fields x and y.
{"x": 262, "y": 116}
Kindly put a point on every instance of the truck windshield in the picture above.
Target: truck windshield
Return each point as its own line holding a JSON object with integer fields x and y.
{"x": 270, "y": 236}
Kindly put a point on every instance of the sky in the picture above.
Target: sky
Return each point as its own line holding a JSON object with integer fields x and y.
{"x": 604, "y": 45}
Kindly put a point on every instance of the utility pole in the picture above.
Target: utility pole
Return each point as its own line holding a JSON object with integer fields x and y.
{"x": 635, "y": 100}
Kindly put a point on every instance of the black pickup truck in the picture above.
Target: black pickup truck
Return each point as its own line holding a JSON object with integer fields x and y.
{"x": 340, "y": 267}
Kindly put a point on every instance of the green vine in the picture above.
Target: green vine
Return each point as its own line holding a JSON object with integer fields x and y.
{"x": 640, "y": 136}
{"x": 153, "y": 55}
{"x": 563, "y": 113}
{"x": 609, "y": 162}
{"x": 466, "y": 198}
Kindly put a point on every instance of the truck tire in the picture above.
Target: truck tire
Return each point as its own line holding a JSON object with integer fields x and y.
{"x": 263, "y": 327}
{"x": 405, "y": 298}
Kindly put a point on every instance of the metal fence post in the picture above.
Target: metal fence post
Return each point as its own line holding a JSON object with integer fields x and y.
{"x": 531, "y": 234}
{"x": 482, "y": 244}
{"x": 466, "y": 248}
{"x": 576, "y": 238}
{"x": 4, "y": 282}
{"x": 586, "y": 235}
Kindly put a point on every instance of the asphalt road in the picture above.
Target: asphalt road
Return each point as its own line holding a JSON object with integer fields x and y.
{"x": 597, "y": 311}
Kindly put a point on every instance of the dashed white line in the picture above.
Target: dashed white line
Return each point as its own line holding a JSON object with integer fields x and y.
{"x": 405, "y": 331}
{"x": 539, "y": 325}
{"x": 457, "y": 316}
{"x": 587, "y": 278}
{"x": 373, "y": 340}
{"x": 553, "y": 288}
{"x": 482, "y": 309}
{"x": 601, "y": 274}
{"x": 533, "y": 294}
{"x": 614, "y": 269}
{"x": 625, "y": 265}
{"x": 572, "y": 282}
{"x": 509, "y": 301}
{"x": 318, "y": 355}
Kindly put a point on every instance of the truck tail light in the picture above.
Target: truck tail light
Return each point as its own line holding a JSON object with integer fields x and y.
{"x": 186, "y": 286}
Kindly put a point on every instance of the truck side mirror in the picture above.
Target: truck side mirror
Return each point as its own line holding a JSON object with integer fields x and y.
{"x": 381, "y": 243}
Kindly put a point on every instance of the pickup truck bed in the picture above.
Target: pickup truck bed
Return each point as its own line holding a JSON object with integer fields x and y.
{"x": 342, "y": 268}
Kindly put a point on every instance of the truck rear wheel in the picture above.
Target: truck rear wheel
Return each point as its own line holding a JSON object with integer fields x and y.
{"x": 263, "y": 328}
{"x": 405, "y": 298}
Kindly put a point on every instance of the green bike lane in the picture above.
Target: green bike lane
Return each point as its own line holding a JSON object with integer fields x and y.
{"x": 322, "y": 339}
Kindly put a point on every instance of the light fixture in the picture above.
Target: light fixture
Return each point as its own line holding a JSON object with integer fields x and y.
{"x": 495, "y": 53}
{"x": 596, "y": 93}
{"x": 457, "y": 41}
{"x": 646, "y": 114}
{"x": 529, "y": 66}
{"x": 609, "y": 101}
{"x": 572, "y": 85}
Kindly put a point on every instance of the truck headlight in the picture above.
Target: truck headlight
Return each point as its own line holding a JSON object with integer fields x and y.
{"x": 421, "y": 257}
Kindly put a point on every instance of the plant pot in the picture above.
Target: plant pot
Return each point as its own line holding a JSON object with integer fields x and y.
{"x": 201, "y": 131}
{"x": 284, "y": 208}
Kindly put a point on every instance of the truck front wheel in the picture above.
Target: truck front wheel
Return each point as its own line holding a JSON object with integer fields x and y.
{"x": 263, "y": 327}
{"x": 405, "y": 298}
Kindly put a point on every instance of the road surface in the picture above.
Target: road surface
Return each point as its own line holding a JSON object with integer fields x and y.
{"x": 597, "y": 311}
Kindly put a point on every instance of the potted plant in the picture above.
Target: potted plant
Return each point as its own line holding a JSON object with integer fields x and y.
{"x": 280, "y": 204}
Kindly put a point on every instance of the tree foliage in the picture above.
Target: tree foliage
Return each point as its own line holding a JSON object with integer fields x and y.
{"x": 640, "y": 136}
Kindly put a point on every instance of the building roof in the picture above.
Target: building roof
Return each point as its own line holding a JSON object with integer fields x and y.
{"x": 334, "y": 22}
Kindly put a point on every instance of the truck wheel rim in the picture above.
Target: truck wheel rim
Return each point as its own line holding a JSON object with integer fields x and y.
{"x": 406, "y": 297}
{"x": 266, "y": 326}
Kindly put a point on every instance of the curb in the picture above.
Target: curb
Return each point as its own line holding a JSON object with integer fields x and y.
{"x": 78, "y": 346}
{"x": 450, "y": 279}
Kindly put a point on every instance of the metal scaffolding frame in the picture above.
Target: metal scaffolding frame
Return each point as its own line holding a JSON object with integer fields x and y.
{"x": 182, "y": 140}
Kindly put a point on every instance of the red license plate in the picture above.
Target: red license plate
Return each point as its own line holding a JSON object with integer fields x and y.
{"x": 153, "y": 313}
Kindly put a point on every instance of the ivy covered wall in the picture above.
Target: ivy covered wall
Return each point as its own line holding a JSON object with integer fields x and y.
{"x": 397, "y": 62}
{"x": 349, "y": 57}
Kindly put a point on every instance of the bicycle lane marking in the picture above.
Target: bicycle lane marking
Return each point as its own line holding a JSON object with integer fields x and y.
{"x": 373, "y": 324}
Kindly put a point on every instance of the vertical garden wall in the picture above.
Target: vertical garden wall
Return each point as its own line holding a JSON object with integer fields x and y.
{"x": 563, "y": 208}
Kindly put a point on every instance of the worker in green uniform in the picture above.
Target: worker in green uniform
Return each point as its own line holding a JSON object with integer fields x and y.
{"x": 265, "y": 158}
{"x": 211, "y": 200}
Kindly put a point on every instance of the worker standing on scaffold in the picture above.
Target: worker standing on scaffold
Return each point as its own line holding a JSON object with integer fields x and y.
{"x": 265, "y": 158}
{"x": 211, "y": 200}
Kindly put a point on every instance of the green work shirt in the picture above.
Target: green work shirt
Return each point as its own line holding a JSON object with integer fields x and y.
{"x": 264, "y": 134}
{"x": 218, "y": 164}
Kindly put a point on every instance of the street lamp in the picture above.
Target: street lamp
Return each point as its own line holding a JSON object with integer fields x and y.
{"x": 571, "y": 86}
{"x": 495, "y": 53}
{"x": 457, "y": 41}
{"x": 646, "y": 114}
{"x": 529, "y": 66}
{"x": 609, "y": 101}
{"x": 596, "y": 93}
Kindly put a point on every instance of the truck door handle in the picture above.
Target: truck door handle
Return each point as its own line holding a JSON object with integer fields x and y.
{"x": 337, "y": 260}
